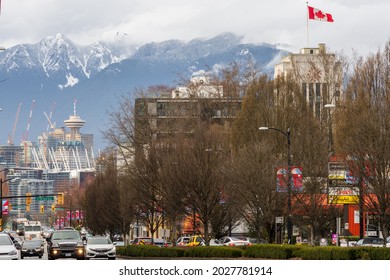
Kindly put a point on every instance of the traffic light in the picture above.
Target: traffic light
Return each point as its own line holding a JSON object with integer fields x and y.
{"x": 53, "y": 207}
{"x": 42, "y": 208}
{"x": 60, "y": 199}
{"x": 28, "y": 199}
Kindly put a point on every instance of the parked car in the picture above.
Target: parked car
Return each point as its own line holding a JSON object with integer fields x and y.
{"x": 32, "y": 248}
{"x": 100, "y": 247}
{"x": 196, "y": 240}
{"x": 182, "y": 241}
{"x": 215, "y": 242}
{"x": 8, "y": 250}
{"x": 233, "y": 241}
{"x": 160, "y": 242}
{"x": 370, "y": 242}
{"x": 256, "y": 240}
{"x": 142, "y": 241}
{"x": 65, "y": 244}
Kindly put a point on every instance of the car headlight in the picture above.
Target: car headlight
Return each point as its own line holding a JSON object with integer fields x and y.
{"x": 13, "y": 252}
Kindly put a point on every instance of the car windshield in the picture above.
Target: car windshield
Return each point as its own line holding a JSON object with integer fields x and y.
{"x": 65, "y": 235}
{"x": 5, "y": 240}
{"x": 235, "y": 239}
{"x": 147, "y": 240}
{"x": 374, "y": 241}
{"x": 99, "y": 241}
{"x": 32, "y": 228}
{"x": 32, "y": 243}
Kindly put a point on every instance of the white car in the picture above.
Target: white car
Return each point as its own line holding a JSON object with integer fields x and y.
{"x": 233, "y": 241}
{"x": 370, "y": 242}
{"x": 182, "y": 241}
{"x": 8, "y": 250}
{"x": 100, "y": 247}
{"x": 215, "y": 242}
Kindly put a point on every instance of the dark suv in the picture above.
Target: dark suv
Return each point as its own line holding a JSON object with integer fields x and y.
{"x": 65, "y": 244}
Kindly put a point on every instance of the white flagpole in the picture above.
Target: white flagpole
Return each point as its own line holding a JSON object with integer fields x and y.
{"x": 307, "y": 23}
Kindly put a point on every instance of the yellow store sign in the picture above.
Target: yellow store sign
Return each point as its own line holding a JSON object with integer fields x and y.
{"x": 343, "y": 199}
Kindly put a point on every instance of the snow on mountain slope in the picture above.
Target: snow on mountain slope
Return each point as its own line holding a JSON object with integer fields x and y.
{"x": 59, "y": 70}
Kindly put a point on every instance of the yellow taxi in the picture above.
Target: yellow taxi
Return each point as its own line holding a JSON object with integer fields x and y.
{"x": 196, "y": 240}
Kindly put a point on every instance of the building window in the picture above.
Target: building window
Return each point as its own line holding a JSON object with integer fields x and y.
{"x": 304, "y": 91}
{"x": 311, "y": 95}
{"x": 318, "y": 92}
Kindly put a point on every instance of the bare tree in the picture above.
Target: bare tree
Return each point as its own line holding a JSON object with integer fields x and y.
{"x": 198, "y": 172}
{"x": 363, "y": 133}
{"x": 253, "y": 186}
{"x": 102, "y": 202}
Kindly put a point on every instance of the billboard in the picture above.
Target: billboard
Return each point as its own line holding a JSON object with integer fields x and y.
{"x": 342, "y": 185}
{"x": 282, "y": 178}
{"x": 4, "y": 206}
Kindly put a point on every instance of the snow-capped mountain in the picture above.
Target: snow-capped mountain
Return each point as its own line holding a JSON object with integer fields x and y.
{"x": 58, "y": 58}
{"x": 58, "y": 70}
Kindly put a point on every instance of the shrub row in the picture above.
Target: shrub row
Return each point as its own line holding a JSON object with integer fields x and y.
{"x": 271, "y": 251}
{"x": 180, "y": 252}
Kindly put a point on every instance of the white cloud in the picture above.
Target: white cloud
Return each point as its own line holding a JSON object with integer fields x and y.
{"x": 359, "y": 24}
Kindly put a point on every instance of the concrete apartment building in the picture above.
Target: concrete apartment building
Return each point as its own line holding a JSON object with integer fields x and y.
{"x": 318, "y": 72}
{"x": 178, "y": 111}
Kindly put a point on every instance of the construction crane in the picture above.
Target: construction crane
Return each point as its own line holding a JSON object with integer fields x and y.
{"x": 11, "y": 137}
{"x": 50, "y": 124}
{"x": 25, "y": 137}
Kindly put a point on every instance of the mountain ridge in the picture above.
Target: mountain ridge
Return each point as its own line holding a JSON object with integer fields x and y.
{"x": 58, "y": 70}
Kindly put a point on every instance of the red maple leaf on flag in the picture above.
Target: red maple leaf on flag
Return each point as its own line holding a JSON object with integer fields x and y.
{"x": 320, "y": 14}
{"x": 317, "y": 14}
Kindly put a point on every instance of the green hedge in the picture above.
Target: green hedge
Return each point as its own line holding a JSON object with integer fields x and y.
{"x": 150, "y": 251}
{"x": 271, "y": 251}
{"x": 264, "y": 251}
{"x": 213, "y": 252}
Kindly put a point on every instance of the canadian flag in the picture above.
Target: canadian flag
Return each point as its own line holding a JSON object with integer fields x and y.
{"x": 317, "y": 14}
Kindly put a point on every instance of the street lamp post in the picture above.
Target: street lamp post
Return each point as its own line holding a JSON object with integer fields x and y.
{"x": 330, "y": 127}
{"x": 288, "y": 136}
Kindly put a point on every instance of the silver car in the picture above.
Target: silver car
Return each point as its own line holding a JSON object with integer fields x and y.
{"x": 370, "y": 242}
{"x": 100, "y": 247}
{"x": 233, "y": 241}
{"x": 8, "y": 250}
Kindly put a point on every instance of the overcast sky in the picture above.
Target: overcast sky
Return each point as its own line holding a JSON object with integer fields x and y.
{"x": 361, "y": 25}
